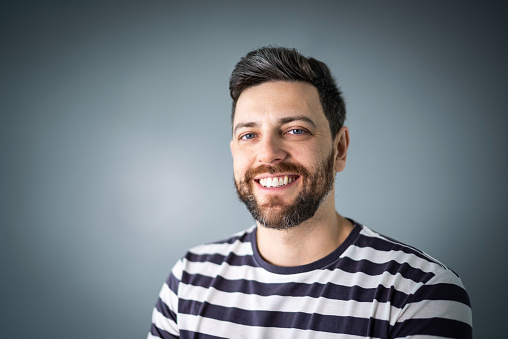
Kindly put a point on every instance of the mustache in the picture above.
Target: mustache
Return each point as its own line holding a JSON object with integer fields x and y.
{"x": 274, "y": 169}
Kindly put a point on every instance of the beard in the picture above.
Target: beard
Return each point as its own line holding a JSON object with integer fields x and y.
{"x": 274, "y": 213}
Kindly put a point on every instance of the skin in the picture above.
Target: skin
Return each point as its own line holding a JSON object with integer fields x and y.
{"x": 284, "y": 121}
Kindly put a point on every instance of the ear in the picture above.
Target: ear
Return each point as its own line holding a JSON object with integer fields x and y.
{"x": 341, "y": 144}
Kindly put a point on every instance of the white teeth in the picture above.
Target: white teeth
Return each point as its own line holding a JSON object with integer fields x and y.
{"x": 268, "y": 182}
{"x": 276, "y": 181}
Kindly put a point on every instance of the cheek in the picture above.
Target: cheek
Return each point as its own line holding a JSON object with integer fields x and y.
{"x": 307, "y": 157}
{"x": 310, "y": 158}
{"x": 239, "y": 168}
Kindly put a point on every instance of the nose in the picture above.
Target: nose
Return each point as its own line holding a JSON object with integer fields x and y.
{"x": 271, "y": 150}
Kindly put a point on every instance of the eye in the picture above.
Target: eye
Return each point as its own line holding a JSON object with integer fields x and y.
{"x": 247, "y": 136}
{"x": 296, "y": 131}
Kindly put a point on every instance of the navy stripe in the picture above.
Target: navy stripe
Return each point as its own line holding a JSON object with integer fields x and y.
{"x": 330, "y": 291}
{"x": 345, "y": 264}
{"x": 392, "y": 267}
{"x": 231, "y": 259}
{"x": 442, "y": 292}
{"x": 172, "y": 283}
{"x": 195, "y": 335}
{"x": 329, "y": 260}
{"x": 392, "y": 245}
{"x": 154, "y": 330}
{"x": 447, "y": 328}
{"x": 299, "y": 320}
{"x": 165, "y": 310}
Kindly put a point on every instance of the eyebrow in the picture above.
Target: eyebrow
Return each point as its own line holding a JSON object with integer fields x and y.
{"x": 308, "y": 120}
{"x": 244, "y": 124}
{"x": 281, "y": 121}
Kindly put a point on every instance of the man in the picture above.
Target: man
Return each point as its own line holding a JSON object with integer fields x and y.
{"x": 303, "y": 271}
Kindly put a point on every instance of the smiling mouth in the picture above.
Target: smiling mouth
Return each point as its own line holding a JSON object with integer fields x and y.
{"x": 277, "y": 181}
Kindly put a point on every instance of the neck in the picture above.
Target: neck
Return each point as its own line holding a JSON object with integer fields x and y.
{"x": 308, "y": 242}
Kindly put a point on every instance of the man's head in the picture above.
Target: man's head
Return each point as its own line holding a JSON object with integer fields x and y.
{"x": 285, "y": 149}
{"x": 269, "y": 64}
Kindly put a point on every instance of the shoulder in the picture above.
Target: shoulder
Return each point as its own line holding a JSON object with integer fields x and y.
{"x": 239, "y": 243}
{"x": 379, "y": 248}
{"x": 234, "y": 250}
{"x": 405, "y": 268}
{"x": 434, "y": 295}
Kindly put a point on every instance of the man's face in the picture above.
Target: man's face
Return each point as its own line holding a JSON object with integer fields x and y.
{"x": 283, "y": 155}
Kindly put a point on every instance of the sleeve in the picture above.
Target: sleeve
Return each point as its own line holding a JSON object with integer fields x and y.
{"x": 164, "y": 314}
{"x": 438, "y": 309}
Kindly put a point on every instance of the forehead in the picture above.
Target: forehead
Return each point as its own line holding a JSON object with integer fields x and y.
{"x": 275, "y": 100}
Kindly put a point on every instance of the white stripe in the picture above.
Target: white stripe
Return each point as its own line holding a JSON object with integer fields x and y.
{"x": 338, "y": 277}
{"x": 383, "y": 257}
{"x": 150, "y": 336}
{"x": 169, "y": 297}
{"x": 446, "y": 277}
{"x": 177, "y": 270}
{"x": 423, "y": 337}
{"x": 238, "y": 248}
{"x": 160, "y": 321}
{"x": 304, "y": 304}
{"x": 229, "y": 330}
{"x": 445, "y": 309}
{"x": 370, "y": 233}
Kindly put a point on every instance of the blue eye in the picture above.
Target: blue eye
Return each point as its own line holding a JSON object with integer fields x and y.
{"x": 248, "y": 136}
{"x": 296, "y": 131}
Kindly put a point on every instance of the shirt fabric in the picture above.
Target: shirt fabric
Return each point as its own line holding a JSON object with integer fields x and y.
{"x": 371, "y": 286}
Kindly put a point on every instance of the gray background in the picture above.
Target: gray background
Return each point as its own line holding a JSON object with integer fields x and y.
{"x": 115, "y": 144}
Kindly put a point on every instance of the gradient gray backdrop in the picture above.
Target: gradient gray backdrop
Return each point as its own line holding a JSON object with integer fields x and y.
{"x": 115, "y": 144}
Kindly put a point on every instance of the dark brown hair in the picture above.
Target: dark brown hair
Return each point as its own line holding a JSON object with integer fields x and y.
{"x": 287, "y": 64}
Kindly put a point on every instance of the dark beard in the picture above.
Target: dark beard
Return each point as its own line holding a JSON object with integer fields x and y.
{"x": 315, "y": 190}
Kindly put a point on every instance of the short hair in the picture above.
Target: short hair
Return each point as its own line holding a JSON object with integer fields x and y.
{"x": 268, "y": 64}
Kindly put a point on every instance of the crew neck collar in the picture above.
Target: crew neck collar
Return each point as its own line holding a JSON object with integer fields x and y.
{"x": 316, "y": 265}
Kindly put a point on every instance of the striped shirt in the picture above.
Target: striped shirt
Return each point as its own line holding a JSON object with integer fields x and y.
{"x": 371, "y": 286}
